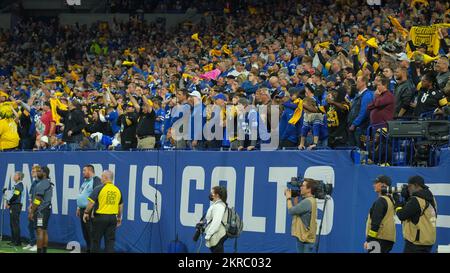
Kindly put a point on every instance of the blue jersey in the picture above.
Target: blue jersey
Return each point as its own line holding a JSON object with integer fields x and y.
{"x": 167, "y": 119}
{"x": 160, "y": 113}
{"x": 112, "y": 118}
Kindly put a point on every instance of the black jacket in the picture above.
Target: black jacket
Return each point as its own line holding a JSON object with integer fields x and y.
{"x": 73, "y": 121}
{"x": 128, "y": 125}
{"x": 146, "y": 124}
{"x": 404, "y": 95}
{"x": 24, "y": 126}
{"x": 411, "y": 210}
{"x": 16, "y": 198}
{"x": 98, "y": 126}
{"x": 376, "y": 214}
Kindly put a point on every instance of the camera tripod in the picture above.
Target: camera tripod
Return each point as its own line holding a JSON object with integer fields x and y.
{"x": 2, "y": 207}
{"x": 327, "y": 197}
{"x": 152, "y": 216}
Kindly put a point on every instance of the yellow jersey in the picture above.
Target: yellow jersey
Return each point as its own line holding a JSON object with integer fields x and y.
{"x": 9, "y": 138}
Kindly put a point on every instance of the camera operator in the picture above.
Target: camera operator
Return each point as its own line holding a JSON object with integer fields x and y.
{"x": 215, "y": 232}
{"x": 380, "y": 226}
{"x": 304, "y": 225}
{"x": 418, "y": 215}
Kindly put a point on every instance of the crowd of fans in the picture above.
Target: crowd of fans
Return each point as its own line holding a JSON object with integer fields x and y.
{"x": 332, "y": 70}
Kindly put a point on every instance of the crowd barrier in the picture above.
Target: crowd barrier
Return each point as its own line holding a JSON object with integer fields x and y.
{"x": 178, "y": 182}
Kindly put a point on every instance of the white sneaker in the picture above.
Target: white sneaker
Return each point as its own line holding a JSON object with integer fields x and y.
{"x": 33, "y": 248}
{"x": 27, "y": 247}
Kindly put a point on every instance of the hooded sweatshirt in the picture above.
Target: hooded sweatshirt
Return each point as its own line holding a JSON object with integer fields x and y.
{"x": 412, "y": 210}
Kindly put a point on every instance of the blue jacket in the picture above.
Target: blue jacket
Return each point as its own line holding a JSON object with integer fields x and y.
{"x": 288, "y": 131}
{"x": 85, "y": 190}
{"x": 177, "y": 113}
{"x": 112, "y": 118}
{"x": 249, "y": 87}
{"x": 197, "y": 114}
{"x": 359, "y": 107}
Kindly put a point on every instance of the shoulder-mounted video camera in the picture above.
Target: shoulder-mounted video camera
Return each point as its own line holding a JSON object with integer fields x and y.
{"x": 322, "y": 190}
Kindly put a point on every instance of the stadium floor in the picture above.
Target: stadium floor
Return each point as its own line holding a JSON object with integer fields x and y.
{"x": 5, "y": 248}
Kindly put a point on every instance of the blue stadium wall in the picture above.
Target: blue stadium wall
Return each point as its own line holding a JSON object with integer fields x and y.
{"x": 180, "y": 182}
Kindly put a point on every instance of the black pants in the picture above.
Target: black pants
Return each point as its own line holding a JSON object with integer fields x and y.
{"x": 87, "y": 230}
{"x": 288, "y": 144}
{"x": 157, "y": 141}
{"x": 103, "y": 226}
{"x": 27, "y": 143}
{"x": 15, "y": 223}
{"x": 128, "y": 144}
{"x": 219, "y": 247}
{"x": 385, "y": 246}
{"x": 412, "y": 248}
{"x": 213, "y": 144}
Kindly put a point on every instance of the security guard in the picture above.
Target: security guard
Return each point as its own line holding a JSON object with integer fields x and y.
{"x": 90, "y": 182}
{"x": 418, "y": 216}
{"x": 41, "y": 208}
{"x": 106, "y": 204}
{"x": 380, "y": 226}
{"x": 15, "y": 206}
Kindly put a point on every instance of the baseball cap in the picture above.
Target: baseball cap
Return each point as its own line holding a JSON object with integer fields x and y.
{"x": 195, "y": 94}
{"x": 44, "y": 139}
{"x": 383, "y": 179}
{"x": 417, "y": 180}
{"x": 220, "y": 97}
{"x": 280, "y": 95}
{"x": 402, "y": 57}
{"x": 168, "y": 96}
{"x": 310, "y": 87}
{"x": 283, "y": 52}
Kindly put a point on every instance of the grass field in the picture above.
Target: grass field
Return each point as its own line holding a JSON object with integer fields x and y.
{"x": 5, "y": 248}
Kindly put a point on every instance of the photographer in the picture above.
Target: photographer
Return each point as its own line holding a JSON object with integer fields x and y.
{"x": 304, "y": 225}
{"x": 418, "y": 215}
{"x": 380, "y": 226}
{"x": 215, "y": 232}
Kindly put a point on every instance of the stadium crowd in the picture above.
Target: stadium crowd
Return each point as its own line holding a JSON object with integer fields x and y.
{"x": 332, "y": 70}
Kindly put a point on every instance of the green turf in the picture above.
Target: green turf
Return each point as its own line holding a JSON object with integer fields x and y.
{"x": 5, "y": 248}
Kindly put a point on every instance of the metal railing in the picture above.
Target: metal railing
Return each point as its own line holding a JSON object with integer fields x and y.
{"x": 383, "y": 149}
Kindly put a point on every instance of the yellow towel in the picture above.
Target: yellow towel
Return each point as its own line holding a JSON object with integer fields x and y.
{"x": 297, "y": 113}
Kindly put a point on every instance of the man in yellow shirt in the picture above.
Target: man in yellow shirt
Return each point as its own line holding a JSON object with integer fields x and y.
{"x": 106, "y": 203}
{"x": 9, "y": 138}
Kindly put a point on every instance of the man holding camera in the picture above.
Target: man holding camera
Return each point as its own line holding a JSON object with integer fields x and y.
{"x": 418, "y": 214}
{"x": 304, "y": 215}
{"x": 380, "y": 226}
